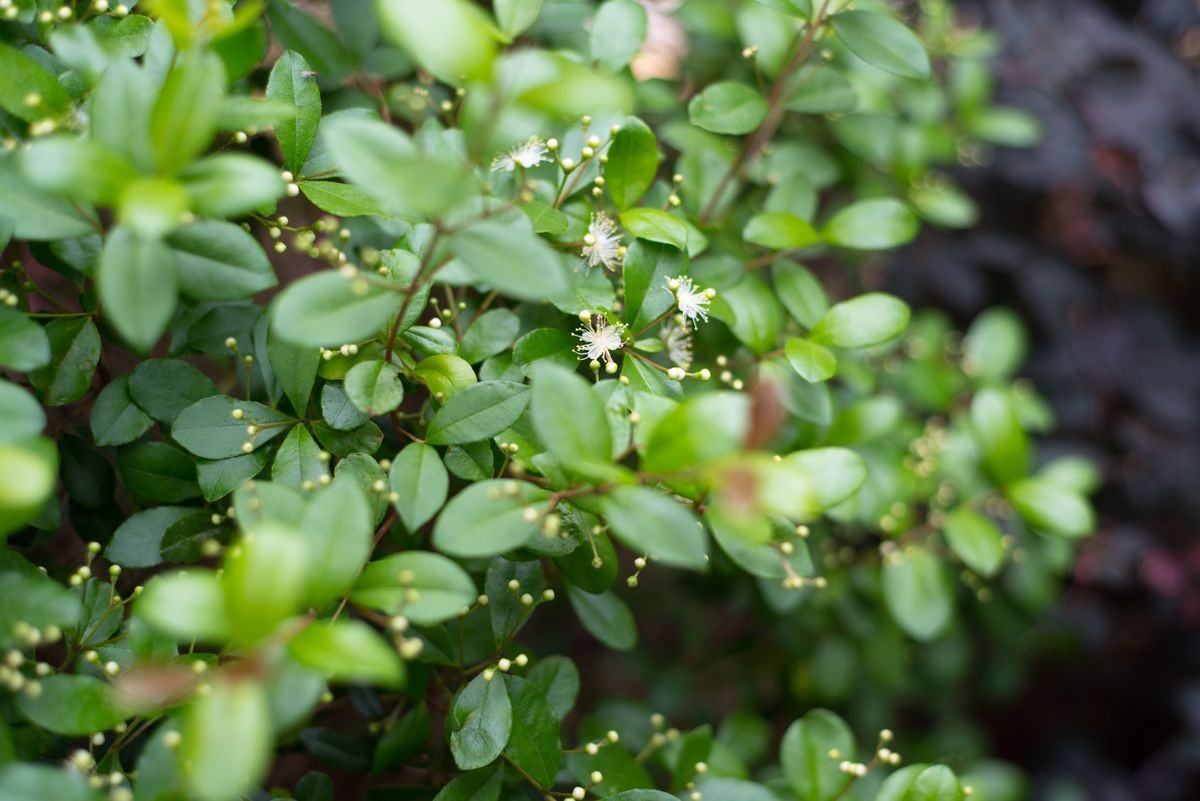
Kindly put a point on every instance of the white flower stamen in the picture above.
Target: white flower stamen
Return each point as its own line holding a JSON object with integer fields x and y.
{"x": 677, "y": 340}
{"x": 691, "y": 300}
{"x": 602, "y": 242}
{"x": 528, "y": 155}
{"x": 598, "y": 339}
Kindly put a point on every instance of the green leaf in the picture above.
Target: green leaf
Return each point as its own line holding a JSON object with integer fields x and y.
{"x": 702, "y": 429}
{"x": 1052, "y": 507}
{"x": 24, "y": 77}
{"x": 883, "y": 42}
{"x": 813, "y": 362}
{"x": 656, "y": 225}
{"x": 444, "y": 373}
{"x": 137, "y": 279}
{"x": 648, "y": 266}
{"x": 348, "y": 651}
{"x": 74, "y": 354}
{"x": 298, "y": 462}
{"x": 292, "y": 81}
{"x": 231, "y": 184}
{"x": 22, "y": 414}
{"x": 568, "y": 417}
{"x": 116, "y": 419}
{"x": 338, "y": 410}
{"x": 76, "y": 168}
{"x": 328, "y": 309}
{"x": 727, "y": 107}
{"x": 478, "y": 785}
{"x": 804, "y": 755}
{"x": 374, "y": 387}
{"x": 478, "y": 412}
{"x": 818, "y": 89}
{"x": 488, "y": 518}
{"x": 545, "y": 218}
{"x": 119, "y": 112}
{"x": 558, "y": 679}
{"x": 488, "y": 334}
{"x": 22, "y": 781}
{"x": 862, "y": 322}
{"x": 209, "y": 429}
{"x": 877, "y": 224}
{"x": 618, "y": 29}
{"x": 922, "y": 783}
{"x": 27, "y": 479}
{"x": 184, "y": 118}
{"x": 801, "y": 293}
{"x": 779, "y": 230}
{"x": 137, "y": 542}
{"x": 384, "y": 163}
{"x": 917, "y": 592}
{"x": 73, "y": 705}
{"x": 427, "y": 588}
{"x": 337, "y": 527}
{"x": 452, "y": 39}
{"x": 313, "y": 39}
{"x": 480, "y": 722}
{"x": 835, "y": 474}
{"x": 37, "y": 215}
{"x": 995, "y": 345}
{"x": 187, "y": 605}
{"x": 24, "y": 345}
{"x": 295, "y": 368}
{"x": 165, "y": 387}
{"x": 36, "y": 600}
{"x": 752, "y": 312}
{"x": 534, "y": 743}
{"x": 342, "y": 200}
{"x": 1008, "y": 127}
{"x": 157, "y": 472}
{"x": 1003, "y": 445}
{"x": 515, "y": 16}
{"x": 419, "y": 480}
{"x": 605, "y": 616}
{"x": 649, "y": 522}
{"x": 632, "y": 160}
{"x": 153, "y": 207}
{"x": 404, "y": 740}
{"x": 265, "y": 578}
{"x": 505, "y": 611}
{"x": 227, "y": 740}
{"x": 975, "y": 540}
{"x": 512, "y": 260}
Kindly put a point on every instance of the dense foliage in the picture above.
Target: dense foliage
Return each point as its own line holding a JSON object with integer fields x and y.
{"x": 542, "y": 350}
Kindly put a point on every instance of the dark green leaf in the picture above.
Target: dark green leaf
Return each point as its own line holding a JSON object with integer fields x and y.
{"x": 349, "y": 651}
{"x": 138, "y": 541}
{"x": 157, "y": 472}
{"x": 488, "y": 518}
{"x": 292, "y": 81}
{"x": 883, "y": 42}
{"x": 165, "y": 387}
{"x": 727, "y": 108}
{"x": 298, "y": 461}
{"x": 208, "y": 428}
{"x": 480, "y": 722}
{"x": 534, "y": 744}
{"x": 605, "y": 616}
{"x": 74, "y": 354}
{"x": 73, "y": 705}
{"x": 116, "y": 419}
{"x": 419, "y": 479}
{"x": 478, "y": 412}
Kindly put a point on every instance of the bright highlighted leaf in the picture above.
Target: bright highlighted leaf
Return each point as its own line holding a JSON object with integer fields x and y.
{"x": 427, "y": 588}
{"x": 811, "y": 361}
{"x": 728, "y": 108}
{"x": 975, "y": 540}
{"x": 349, "y": 651}
{"x": 872, "y": 225}
{"x": 632, "y": 162}
{"x": 862, "y": 322}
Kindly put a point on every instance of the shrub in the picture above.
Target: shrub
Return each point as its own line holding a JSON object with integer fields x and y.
{"x": 529, "y": 352}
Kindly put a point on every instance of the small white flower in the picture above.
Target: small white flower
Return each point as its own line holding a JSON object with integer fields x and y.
{"x": 678, "y": 341}
{"x": 530, "y": 154}
{"x": 598, "y": 339}
{"x": 602, "y": 242}
{"x": 691, "y": 300}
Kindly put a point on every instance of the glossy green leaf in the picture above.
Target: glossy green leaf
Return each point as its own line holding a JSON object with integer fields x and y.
{"x": 1003, "y": 445}
{"x": 510, "y": 260}
{"x": 877, "y": 224}
{"x": 24, "y": 345}
{"x": 116, "y": 419}
{"x": 292, "y": 81}
{"x": 605, "y": 616}
{"x": 211, "y": 427}
{"x": 632, "y": 160}
{"x": 231, "y": 184}
{"x": 187, "y": 605}
{"x": 804, "y": 755}
{"x": 655, "y": 225}
{"x": 349, "y": 651}
{"x": 165, "y": 387}
{"x": 74, "y": 354}
{"x": 975, "y": 540}
{"x": 265, "y": 578}
{"x": 534, "y": 743}
{"x": 73, "y": 705}
{"x": 568, "y": 417}
{"x": 227, "y": 740}
{"x": 427, "y": 588}
{"x": 374, "y": 387}
{"x": 328, "y": 309}
{"x": 810, "y": 360}
{"x": 22, "y": 414}
{"x": 298, "y": 461}
{"x": 157, "y": 472}
{"x": 488, "y": 518}
{"x": 780, "y": 231}
{"x": 1052, "y": 507}
{"x": 452, "y": 39}
{"x": 649, "y": 522}
{"x": 862, "y": 322}
{"x": 480, "y": 722}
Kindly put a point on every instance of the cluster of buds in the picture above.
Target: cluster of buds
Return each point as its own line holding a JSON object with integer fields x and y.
{"x": 526, "y": 598}
{"x": 349, "y": 349}
{"x": 8, "y": 298}
{"x": 639, "y": 564}
{"x": 504, "y": 665}
{"x": 409, "y": 647}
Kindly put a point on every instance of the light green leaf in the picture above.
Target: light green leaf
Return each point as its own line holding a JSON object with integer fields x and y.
{"x": 374, "y": 387}
{"x": 337, "y": 526}
{"x": 22, "y": 414}
{"x": 995, "y": 345}
{"x": 298, "y": 461}
{"x": 515, "y": 16}
{"x": 73, "y": 705}
{"x": 819, "y": 89}
{"x": 488, "y": 334}
{"x": 76, "y": 168}
{"x": 975, "y": 540}
{"x": 265, "y": 578}
{"x": 877, "y": 224}
{"x": 227, "y": 740}
{"x": 419, "y": 479}
{"x": 727, "y": 107}
{"x": 568, "y": 417}
{"x": 862, "y": 322}
{"x": 451, "y": 39}
{"x": 1003, "y": 445}
{"x": 186, "y": 605}
{"x": 656, "y": 225}
{"x": 348, "y": 651}
{"x": 37, "y": 215}
{"x": 649, "y": 522}
{"x": 342, "y": 200}
{"x": 427, "y": 588}
{"x": 23, "y": 343}
{"x": 328, "y": 309}
{"x": 184, "y": 118}
{"x": 616, "y": 35}
{"x": 752, "y": 312}
{"x": 779, "y": 230}
{"x": 231, "y": 184}
{"x": 835, "y": 474}
{"x": 138, "y": 282}
{"x": 632, "y": 159}
{"x": 917, "y": 592}
{"x": 24, "y": 781}
{"x": 1052, "y": 507}
{"x": 883, "y": 42}
{"x": 813, "y": 362}
{"x": 24, "y": 77}
{"x": 511, "y": 260}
